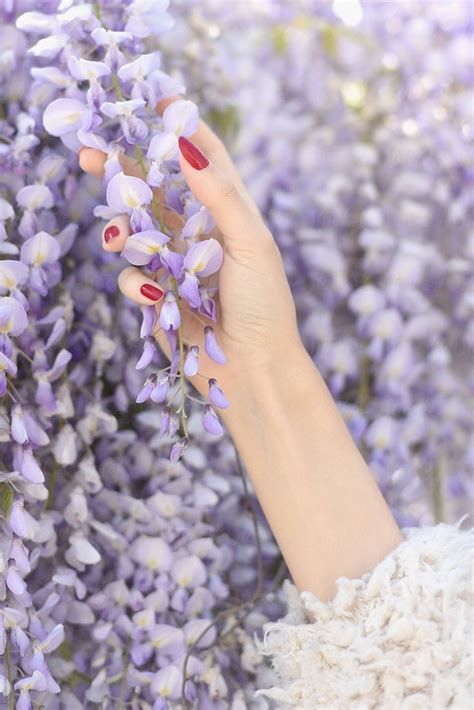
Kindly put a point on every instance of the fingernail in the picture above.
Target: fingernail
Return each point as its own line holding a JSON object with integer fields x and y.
{"x": 110, "y": 233}
{"x": 152, "y": 292}
{"x": 192, "y": 154}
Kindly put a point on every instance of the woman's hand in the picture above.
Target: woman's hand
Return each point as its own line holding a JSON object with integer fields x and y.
{"x": 256, "y": 315}
{"x": 318, "y": 495}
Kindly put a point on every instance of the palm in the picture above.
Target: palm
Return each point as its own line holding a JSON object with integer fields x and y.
{"x": 254, "y": 299}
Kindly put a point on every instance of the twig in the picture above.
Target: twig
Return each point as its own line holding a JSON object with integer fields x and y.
{"x": 123, "y": 683}
{"x": 52, "y": 485}
{"x": 182, "y": 409}
{"x": 11, "y": 697}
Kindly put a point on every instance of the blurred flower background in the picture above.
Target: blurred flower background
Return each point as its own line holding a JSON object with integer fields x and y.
{"x": 352, "y": 125}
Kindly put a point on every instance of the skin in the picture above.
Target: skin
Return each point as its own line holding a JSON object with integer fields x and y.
{"x": 319, "y": 497}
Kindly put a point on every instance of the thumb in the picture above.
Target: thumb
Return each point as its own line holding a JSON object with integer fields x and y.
{"x": 236, "y": 215}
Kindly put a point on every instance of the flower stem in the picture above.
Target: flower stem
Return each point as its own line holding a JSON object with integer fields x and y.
{"x": 11, "y": 697}
{"x": 52, "y": 485}
{"x": 123, "y": 682}
{"x": 96, "y": 7}
{"x": 155, "y": 207}
{"x": 117, "y": 87}
{"x": 140, "y": 158}
{"x": 182, "y": 409}
{"x": 364, "y": 389}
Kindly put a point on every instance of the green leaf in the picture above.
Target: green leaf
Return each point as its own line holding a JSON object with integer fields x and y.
{"x": 329, "y": 38}
{"x": 225, "y": 122}
{"x": 6, "y": 499}
{"x": 280, "y": 39}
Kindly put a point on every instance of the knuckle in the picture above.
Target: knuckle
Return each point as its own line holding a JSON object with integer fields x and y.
{"x": 223, "y": 192}
{"x": 228, "y": 190}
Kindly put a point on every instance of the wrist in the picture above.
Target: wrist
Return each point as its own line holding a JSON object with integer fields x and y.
{"x": 279, "y": 380}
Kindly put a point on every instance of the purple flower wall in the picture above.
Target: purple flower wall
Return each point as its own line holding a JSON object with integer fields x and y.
{"x": 122, "y": 572}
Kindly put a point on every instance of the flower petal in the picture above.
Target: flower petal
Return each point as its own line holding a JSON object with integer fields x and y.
{"x": 201, "y": 222}
{"x": 163, "y": 146}
{"x": 189, "y": 289}
{"x": 181, "y": 118}
{"x": 204, "y": 258}
{"x": 13, "y": 318}
{"x": 139, "y": 68}
{"x": 211, "y": 422}
{"x": 64, "y": 116}
{"x": 40, "y": 249}
{"x": 34, "y": 197}
{"x": 169, "y": 314}
{"x": 140, "y": 248}
{"x": 84, "y": 69}
{"x": 217, "y": 396}
{"x": 126, "y": 193}
{"x": 212, "y": 347}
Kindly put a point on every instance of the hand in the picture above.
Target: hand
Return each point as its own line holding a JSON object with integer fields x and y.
{"x": 318, "y": 495}
{"x": 256, "y": 313}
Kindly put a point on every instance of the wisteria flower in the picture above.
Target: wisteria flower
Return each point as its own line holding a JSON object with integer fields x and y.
{"x": 163, "y": 147}
{"x": 13, "y": 274}
{"x": 140, "y": 68}
{"x": 109, "y": 537}
{"x": 181, "y": 118}
{"x": 147, "y": 17}
{"x": 142, "y": 247}
{"x": 201, "y": 222}
{"x": 64, "y": 116}
{"x": 128, "y": 194}
{"x": 133, "y": 127}
{"x": 212, "y": 347}
{"x": 35, "y": 682}
{"x": 13, "y": 318}
{"x": 35, "y": 197}
{"x": 202, "y": 259}
{"x": 42, "y": 252}
{"x": 7, "y": 367}
{"x": 87, "y": 70}
{"x": 191, "y": 362}
{"x": 170, "y": 318}
{"x": 52, "y": 75}
{"x": 216, "y": 395}
{"x": 211, "y": 421}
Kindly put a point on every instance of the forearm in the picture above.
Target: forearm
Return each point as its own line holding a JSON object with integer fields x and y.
{"x": 318, "y": 495}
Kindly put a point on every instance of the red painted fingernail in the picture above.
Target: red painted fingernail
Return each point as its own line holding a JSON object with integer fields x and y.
{"x": 192, "y": 154}
{"x": 151, "y": 292}
{"x": 110, "y": 233}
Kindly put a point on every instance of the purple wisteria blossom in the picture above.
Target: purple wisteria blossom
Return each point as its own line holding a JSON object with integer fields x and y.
{"x": 114, "y": 559}
{"x": 113, "y": 116}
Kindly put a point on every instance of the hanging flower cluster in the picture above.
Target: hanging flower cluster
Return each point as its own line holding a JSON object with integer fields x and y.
{"x": 122, "y": 571}
{"x": 114, "y": 560}
{"x": 107, "y": 100}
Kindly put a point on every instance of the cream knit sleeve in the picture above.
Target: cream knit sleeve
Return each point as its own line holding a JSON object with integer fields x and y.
{"x": 399, "y": 638}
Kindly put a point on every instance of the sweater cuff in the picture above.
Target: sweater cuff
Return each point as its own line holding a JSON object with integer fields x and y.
{"x": 398, "y": 637}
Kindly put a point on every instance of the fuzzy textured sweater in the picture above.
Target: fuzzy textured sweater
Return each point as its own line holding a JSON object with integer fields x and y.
{"x": 399, "y": 638}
